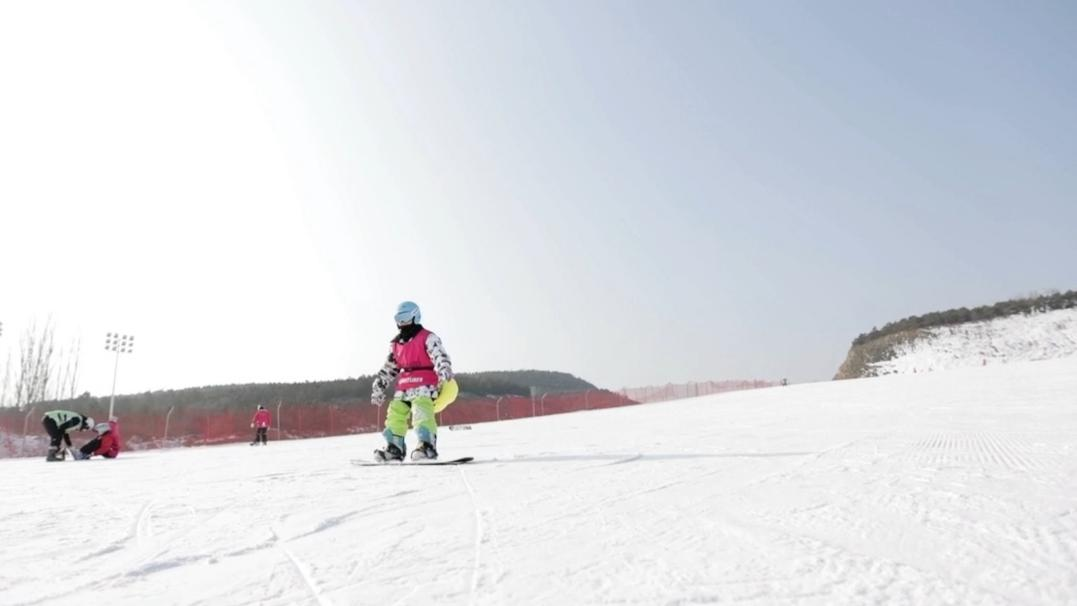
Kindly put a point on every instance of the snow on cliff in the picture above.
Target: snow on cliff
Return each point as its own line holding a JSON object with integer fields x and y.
{"x": 1017, "y": 338}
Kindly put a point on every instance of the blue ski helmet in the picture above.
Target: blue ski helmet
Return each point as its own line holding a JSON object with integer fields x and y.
{"x": 407, "y": 313}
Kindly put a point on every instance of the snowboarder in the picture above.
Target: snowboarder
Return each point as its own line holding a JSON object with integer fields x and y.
{"x": 58, "y": 424}
{"x": 420, "y": 368}
{"x": 106, "y": 444}
{"x": 260, "y": 423}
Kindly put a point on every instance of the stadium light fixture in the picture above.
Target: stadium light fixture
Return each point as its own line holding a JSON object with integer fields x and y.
{"x": 121, "y": 344}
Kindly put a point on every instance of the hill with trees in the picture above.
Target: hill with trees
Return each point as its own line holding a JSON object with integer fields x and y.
{"x": 1035, "y": 327}
{"x": 340, "y": 391}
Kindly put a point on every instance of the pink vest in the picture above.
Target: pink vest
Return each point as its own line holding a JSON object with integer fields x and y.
{"x": 416, "y": 367}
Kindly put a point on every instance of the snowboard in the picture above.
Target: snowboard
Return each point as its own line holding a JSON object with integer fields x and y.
{"x": 420, "y": 463}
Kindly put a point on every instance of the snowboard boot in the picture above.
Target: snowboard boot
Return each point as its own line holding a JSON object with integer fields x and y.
{"x": 391, "y": 452}
{"x": 424, "y": 451}
{"x": 52, "y": 454}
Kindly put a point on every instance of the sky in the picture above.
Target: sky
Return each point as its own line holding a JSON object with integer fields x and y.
{"x": 633, "y": 192}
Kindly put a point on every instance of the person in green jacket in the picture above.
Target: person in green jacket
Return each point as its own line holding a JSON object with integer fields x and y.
{"x": 58, "y": 424}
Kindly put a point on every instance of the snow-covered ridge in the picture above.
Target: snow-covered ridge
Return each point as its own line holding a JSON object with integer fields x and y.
{"x": 1037, "y": 336}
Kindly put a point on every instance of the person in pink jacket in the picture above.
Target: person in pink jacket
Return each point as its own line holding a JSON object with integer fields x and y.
{"x": 260, "y": 423}
{"x": 106, "y": 444}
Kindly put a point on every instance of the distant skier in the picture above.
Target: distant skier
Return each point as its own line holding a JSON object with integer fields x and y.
{"x": 58, "y": 423}
{"x": 106, "y": 444}
{"x": 260, "y": 423}
{"x": 420, "y": 368}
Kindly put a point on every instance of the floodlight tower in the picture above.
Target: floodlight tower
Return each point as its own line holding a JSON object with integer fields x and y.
{"x": 121, "y": 344}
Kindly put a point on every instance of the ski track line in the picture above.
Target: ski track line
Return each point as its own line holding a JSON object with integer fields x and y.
{"x": 490, "y": 536}
{"x": 401, "y": 532}
{"x": 306, "y": 577}
{"x": 378, "y": 562}
{"x": 143, "y": 527}
{"x": 401, "y": 599}
{"x": 628, "y": 459}
{"x": 479, "y": 533}
{"x": 620, "y": 460}
{"x": 298, "y": 565}
{"x": 131, "y": 570}
{"x": 144, "y": 530}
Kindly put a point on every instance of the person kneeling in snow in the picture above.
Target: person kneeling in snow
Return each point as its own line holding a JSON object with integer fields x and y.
{"x": 106, "y": 444}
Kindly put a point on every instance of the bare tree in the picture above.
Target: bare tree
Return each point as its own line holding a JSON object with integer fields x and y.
{"x": 44, "y": 371}
{"x": 36, "y": 350}
{"x": 67, "y": 372}
{"x": 5, "y": 386}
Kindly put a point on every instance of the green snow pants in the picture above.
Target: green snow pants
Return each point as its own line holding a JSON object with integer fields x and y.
{"x": 422, "y": 419}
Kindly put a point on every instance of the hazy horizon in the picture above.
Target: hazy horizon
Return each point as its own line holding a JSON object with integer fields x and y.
{"x": 632, "y": 193}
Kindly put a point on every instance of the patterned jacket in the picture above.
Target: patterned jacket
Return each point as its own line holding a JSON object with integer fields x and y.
{"x": 390, "y": 370}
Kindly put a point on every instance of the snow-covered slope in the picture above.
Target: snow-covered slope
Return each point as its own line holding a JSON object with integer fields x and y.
{"x": 950, "y": 487}
{"x": 1040, "y": 336}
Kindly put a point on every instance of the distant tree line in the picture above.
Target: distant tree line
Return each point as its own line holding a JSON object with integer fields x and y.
{"x": 519, "y": 382}
{"x": 340, "y": 391}
{"x": 1029, "y": 305}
